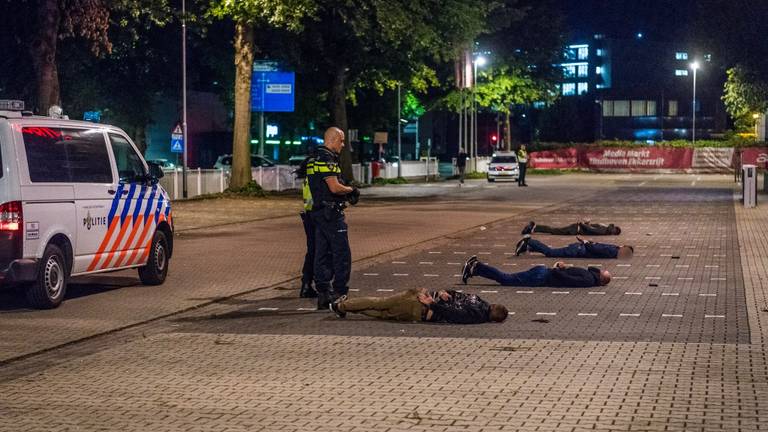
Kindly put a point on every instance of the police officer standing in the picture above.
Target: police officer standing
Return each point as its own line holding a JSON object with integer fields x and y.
{"x": 333, "y": 259}
{"x": 307, "y": 271}
{"x": 522, "y": 162}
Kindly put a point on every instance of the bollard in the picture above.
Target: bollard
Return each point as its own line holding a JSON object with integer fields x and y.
{"x": 749, "y": 185}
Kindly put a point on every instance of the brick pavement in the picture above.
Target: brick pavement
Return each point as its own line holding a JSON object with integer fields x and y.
{"x": 236, "y": 366}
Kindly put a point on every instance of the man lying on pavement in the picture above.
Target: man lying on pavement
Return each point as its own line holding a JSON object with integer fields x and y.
{"x": 581, "y": 249}
{"x": 560, "y": 275}
{"x": 582, "y": 227}
{"x": 421, "y": 305}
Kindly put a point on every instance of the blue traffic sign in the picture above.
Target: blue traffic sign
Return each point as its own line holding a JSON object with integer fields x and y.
{"x": 273, "y": 91}
{"x": 177, "y": 143}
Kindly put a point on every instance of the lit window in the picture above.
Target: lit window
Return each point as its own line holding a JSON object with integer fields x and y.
{"x": 638, "y": 108}
{"x": 599, "y": 70}
{"x": 583, "y": 53}
{"x": 582, "y": 71}
{"x": 569, "y": 71}
{"x": 681, "y": 72}
{"x": 599, "y": 36}
{"x": 599, "y": 52}
{"x": 651, "y": 108}
{"x": 672, "y": 108}
{"x": 681, "y": 55}
{"x": 608, "y": 108}
{"x": 582, "y": 88}
{"x": 621, "y": 108}
{"x": 569, "y": 89}
{"x": 707, "y": 57}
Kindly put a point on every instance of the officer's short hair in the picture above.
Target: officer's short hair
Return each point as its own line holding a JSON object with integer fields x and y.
{"x": 499, "y": 313}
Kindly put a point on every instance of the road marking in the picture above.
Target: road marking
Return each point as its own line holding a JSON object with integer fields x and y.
{"x": 717, "y": 279}
{"x": 666, "y": 255}
{"x": 693, "y": 255}
{"x": 675, "y": 239}
{"x": 524, "y": 292}
{"x": 671, "y": 316}
{"x": 633, "y": 293}
{"x": 719, "y": 256}
{"x": 711, "y": 266}
{"x": 707, "y": 295}
{"x": 355, "y": 289}
{"x": 430, "y": 275}
{"x": 682, "y": 265}
{"x": 399, "y": 274}
{"x": 628, "y": 315}
{"x": 425, "y": 263}
{"x": 509, "y": 253}
{"x": 454, "y": 263}
{"x": 620, "y": 277}
{"x": 690, "y": 247}
{"x": 510, "y": 264}
{"x": 587, "y": 314}
{"x": 561, "y": 292}
{"x": 510, "y": 313}
{"x": 594, "y": 265}
{"x": 652, "y": 265}
{"x": 597, "y": 292}
{"x": 714, "y": 316}
{"x": 642, "y": 183}
{"x": 459, "y": 253}
{"x": 488, "y": 292}
{"x": 652, "y": 277}
{"x": 384, "y": 290}
{"x": 305, "y": 309}
{"x": 435, "y": 252}
{"x": 670, "y": 294}
{"x": 623, "y": 265}
{"x": 370, "y": 274}
{"x": 268, "y": 308}
{"x": 457, "y": 275}
{"x": 546, "y": 313}
{"x": 685, "y": 278}
{"x": 398, "y": 262}
{"x": 664, "y": 247}
{"x": 483, "y": 253}
{"x": 499, "y": 245}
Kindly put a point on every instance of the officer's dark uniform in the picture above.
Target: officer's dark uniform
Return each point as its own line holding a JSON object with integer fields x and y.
{"x": 333, "y": 259}
{"x": 307, "y": 271}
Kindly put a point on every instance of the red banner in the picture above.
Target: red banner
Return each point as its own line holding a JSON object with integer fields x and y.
{"x": 637, "y": 158}
{"x": 755, "y": 156}
{"x": 563, "y": 158}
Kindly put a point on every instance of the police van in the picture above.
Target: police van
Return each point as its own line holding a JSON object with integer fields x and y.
{"x": 76, "y": 198}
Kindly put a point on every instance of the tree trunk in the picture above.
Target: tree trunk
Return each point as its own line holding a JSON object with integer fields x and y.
{"x": 44, "y": 55}
{"x": 241, "y": 143}
{"x": 338, "y": 100}
{"x": 507, "y": 131}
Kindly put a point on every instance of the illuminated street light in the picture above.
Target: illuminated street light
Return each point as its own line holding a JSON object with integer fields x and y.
{"x": 695, "y": 67}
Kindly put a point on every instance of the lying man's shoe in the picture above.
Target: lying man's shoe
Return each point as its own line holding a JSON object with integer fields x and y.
{"x": 469, "y": 269}
{"x": 522, "y": 245}
{"x": 528, "y": 228}
{"x": 335, "y": 307}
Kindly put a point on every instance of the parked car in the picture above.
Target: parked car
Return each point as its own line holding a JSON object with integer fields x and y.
{"x": 165, "y": 164}
{"x": 503, "y": 166}
{"x": 224, "y": 162}
{"x": 296, "y": 160}
{"x": 76, "y": 198}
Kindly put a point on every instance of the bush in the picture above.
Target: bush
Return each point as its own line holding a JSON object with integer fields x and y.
{"x": 383, "y": 181}
{"x": 252, "y": 189}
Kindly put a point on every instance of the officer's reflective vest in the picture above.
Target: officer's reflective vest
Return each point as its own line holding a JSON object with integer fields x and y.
{"x": 306, "y": 192}
{"x": 522, "y": 156}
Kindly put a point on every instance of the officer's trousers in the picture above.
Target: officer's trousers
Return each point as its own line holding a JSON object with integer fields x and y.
{"x": 333, "y": 259}
{"x": 308, "y": 270}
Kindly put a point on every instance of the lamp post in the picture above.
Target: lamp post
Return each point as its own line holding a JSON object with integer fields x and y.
{"x": 184, "y": 95}
{"x": 477, "y": 61}
{"x": 399, "y": 143}
{"x": 695, "y": 67}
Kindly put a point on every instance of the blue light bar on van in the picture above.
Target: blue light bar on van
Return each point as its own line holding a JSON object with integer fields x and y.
{"x": 11, "y": 105}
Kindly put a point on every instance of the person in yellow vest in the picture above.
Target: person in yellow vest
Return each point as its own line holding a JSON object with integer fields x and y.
{"x": 522, "y": 162}
{"x": 307, "y": 271}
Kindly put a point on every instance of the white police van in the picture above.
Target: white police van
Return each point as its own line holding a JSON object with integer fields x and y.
{"x": 76, "y": 198}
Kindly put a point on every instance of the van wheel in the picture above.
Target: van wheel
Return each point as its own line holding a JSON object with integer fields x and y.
{"x": 47, "y": 292}
{"x": 490, "y": 180}
{"x": 156, "y": 270}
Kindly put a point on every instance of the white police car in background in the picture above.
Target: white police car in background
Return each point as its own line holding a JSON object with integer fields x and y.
{"x": 503, "y": 166}
{"x": 76, "y": 198}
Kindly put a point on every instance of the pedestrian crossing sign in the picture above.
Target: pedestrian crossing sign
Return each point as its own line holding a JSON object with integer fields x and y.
{"x": 177, "y": 143}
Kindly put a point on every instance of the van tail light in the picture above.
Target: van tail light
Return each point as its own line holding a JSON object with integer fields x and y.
{"x": 10, "y": 216}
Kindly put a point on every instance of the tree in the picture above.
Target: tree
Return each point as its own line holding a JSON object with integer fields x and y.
{"x": 373, "y": 44}
{"x": 745, "y": 94}
{"x": 248, "y": 14}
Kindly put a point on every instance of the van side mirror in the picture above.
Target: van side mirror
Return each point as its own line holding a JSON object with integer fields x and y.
{"x": 155, "y": 172}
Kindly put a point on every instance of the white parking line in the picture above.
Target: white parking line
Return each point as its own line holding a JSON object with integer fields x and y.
{"x": 719, "y": 256}
{"x": 693, "y": 255}
{"x": 483, "y": 253}
{"x": 305, "y": 309}
{"x": 454, "y": 263}
{"x": 524, "y": 292}
{"x": 714, "y": 247}
{"x": 435, "y": 252}
{"x": 561, "y": 292}
{"x": 717, "y": 279}
{"x": 682, "y": 265}
{"x": 430, "y": 275}
{"x": 690, "y": 247}
{"x": 510, "y": 313}
{"x": 707, "y": 295}
{"x": 587, "y": 314}
{"x": 620, "y": 277}
{"x": 509, "y": 253}
{"x": 652, "y": 277}
{"x": 426, "y": 262}
{"x": 370, "y": 274}
{"x": 714, "y": 316}
{"x": 546, "y": 313}
{"x": 623, "y": 265}
{"x": 671, "y": 316}
{"x": 457, "y": 275}
{"x": 398, "y": 262}
{"x": 653, "y": 265}
{"x": 509, "y": 264}
{"x": 459, "y": 253}
{"x": 597, "y": 292}
{"x": 488, "y": 292}
{"x": 268, "y": 309}
{"x": 499, "y": 245}
{"x": 666, "y": 255}
{"x": 594, "y": 265}
{"x": 666, "y": 247}
{"x": 628, "y": 315}
{"x": 355, "y": 289}
{"x": 384, "y": 290}
{"x": 685, "y": 278}
{"x": 399, "y": 274}
{"x": 633, "y": 293}
{"x": 670, "y": 294}
{"x": 711, "y": 266}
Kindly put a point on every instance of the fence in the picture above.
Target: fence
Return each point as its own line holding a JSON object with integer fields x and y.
{"x": 410, "y": 169}
{"x": 208, "y": 181}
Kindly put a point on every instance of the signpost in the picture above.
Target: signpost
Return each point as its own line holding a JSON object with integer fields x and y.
{"x": 177, "y": 139}
{"x": 271, "y": 91}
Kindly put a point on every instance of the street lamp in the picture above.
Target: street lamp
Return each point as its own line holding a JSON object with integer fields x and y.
{"x": 478, "y": 61}
{"x": 695, "y": 67}
{"x": 756, "y": 116}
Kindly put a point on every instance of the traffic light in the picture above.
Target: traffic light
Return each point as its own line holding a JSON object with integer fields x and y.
{"x": 494, "y": 138}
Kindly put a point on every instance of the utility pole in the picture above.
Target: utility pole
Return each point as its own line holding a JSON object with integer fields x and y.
{"x": 184, "y": 95}
{"x": 399, "y": 143}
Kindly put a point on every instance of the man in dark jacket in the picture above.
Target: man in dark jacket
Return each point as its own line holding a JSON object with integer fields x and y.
{"x": 558, "y": 276}
{"x": 581, "y": 249}
{"x": 461, "y": 164}
{"x": 584, "y": 227}
{"x": 421, "y": 305}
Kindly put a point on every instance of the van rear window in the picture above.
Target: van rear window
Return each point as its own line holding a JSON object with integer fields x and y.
{"x": 61, "y": 155}
{"x": 504, "y": 159}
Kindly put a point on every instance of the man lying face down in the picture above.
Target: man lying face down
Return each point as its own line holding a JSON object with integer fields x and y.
{"x": 582, "y": 227}
{"x": 560, "y": 275}
{"x": 580, "y": 249}
{"x": 415, "y": 304}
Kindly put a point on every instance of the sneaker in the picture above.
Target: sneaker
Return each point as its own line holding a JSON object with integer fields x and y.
{"x": 528, "y": 228}
{"x": 469, "y": 269}
{"x": 334, "y": 307}
{"x": 522, "y": 245}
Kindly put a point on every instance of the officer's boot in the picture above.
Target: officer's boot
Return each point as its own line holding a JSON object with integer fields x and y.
{"x": 324, "y": 297}
{"x": 307, "y": 291}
